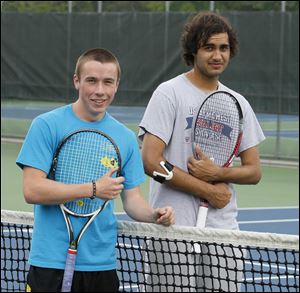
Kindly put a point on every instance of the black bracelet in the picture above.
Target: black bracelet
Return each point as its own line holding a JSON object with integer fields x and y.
{"x": 169, "y": 166}
{"x": 94, "y": 190}
{"x": 159, "y": 179}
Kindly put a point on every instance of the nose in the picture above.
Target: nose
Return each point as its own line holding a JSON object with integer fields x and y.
{"x": 217, "y": 55}
{"x": 99, "y": 90}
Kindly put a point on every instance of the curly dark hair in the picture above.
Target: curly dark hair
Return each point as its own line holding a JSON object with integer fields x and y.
{"x": 200, "y": 28}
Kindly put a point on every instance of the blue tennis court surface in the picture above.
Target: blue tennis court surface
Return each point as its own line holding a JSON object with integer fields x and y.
{"x": 134, "y": 115}
{"x": 272, "y": 220}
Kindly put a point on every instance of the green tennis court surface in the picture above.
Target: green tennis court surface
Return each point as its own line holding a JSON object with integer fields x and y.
{"x": 279, "y": 185}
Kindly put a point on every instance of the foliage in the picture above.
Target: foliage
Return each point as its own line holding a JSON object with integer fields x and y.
{"x": 154, "y": 6}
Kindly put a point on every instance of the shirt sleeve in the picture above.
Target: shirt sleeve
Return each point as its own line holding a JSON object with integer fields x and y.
{"x": 159, "y": 116}
{"x": 37, "y": 149}
{"x": 132, "y": 167}
{"x": 252, "y": 132}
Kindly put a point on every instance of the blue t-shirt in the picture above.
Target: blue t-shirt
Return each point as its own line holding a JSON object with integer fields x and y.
{"x": 50, "y": 240}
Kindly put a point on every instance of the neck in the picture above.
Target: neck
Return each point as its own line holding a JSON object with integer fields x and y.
{"x": 202, "y": 82}
{"x": 83, "y": 113}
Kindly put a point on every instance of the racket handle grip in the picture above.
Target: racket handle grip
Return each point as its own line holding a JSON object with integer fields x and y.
{"x": 69, "y": 271}
{"x": 201, "y": 219}
{"x": 202, "y": 214}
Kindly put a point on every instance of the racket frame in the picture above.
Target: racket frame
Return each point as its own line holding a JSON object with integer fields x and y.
{"x": 204, "y": 203}
{"x": 74, "y": 242}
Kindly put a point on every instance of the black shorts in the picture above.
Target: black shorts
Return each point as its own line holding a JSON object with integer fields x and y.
{"x": 50, "y": 280}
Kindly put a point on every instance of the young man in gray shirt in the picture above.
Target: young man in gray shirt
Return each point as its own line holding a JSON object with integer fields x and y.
{"x": 208, "y": 42}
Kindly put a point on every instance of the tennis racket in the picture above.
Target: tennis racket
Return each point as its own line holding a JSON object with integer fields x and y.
{"x": 82, "y": 156}
{"x": 217, "y": 130}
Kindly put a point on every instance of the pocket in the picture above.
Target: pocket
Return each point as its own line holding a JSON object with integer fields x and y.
{"x": 28, "y": 288}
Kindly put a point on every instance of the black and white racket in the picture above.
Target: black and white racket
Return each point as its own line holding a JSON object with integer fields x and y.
{"x": 217, "y": 130}
{"x": 83, "y": 156}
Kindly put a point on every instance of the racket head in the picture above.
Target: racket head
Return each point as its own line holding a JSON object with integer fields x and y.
{"x": 218, "y": 127}
{"x": 84, "y": 156}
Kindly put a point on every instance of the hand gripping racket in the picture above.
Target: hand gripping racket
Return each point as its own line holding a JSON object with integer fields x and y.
{"x": 217, "y": 130}
{"x": 83, "y": 156}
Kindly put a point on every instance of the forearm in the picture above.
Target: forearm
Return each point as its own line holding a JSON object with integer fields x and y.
{"x": 136, "y": 206}
{"x": 181, "y": 180}
{"x": 187, "y": 183}
{"x": 47, "y": 192}
{"x": 246, "y": 174}
{"x": 217, "y": 195}
{"x": 38, "y": 189}
{"x": 152, "y": 152}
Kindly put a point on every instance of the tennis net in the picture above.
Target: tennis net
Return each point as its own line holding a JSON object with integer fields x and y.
{"x": 153, "y": 258}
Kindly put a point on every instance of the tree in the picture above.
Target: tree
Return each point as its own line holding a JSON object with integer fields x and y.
{"x": 154, "y": 6}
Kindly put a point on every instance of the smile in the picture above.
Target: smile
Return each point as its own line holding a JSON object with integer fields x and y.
{"x": 99, "y": 102}
{"x": 216, "y": 65}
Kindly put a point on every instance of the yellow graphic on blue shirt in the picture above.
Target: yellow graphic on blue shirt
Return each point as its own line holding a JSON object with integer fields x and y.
{"x": 109, "y": 162}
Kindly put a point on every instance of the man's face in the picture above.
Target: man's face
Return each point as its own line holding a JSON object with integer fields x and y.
{"x": 97, "y": 85}
{"x": 213, "y": 57}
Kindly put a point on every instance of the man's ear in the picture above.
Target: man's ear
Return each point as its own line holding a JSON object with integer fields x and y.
{"x": 117, "y": 86}
{"x": 76, "y": 81}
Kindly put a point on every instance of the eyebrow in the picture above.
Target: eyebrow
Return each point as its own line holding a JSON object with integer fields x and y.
{"x": 214, "y": 45}
{"x": 96, "y": 78}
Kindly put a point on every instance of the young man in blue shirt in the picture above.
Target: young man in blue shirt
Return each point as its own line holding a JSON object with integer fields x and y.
{"x": 96, "y": 79}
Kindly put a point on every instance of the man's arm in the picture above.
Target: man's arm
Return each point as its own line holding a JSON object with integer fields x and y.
{"x": 152, "y": 152}
{"x": 38, "y": 189}
{"x": 249, "y": 172}
{"x": 138, "y": 208}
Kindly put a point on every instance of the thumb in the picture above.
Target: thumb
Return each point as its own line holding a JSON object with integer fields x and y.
{"x": 161, "y": 211}
{"x": 112, "y": 171}
{"x": 199, "y": 153}
{"x": 158, "y": 212}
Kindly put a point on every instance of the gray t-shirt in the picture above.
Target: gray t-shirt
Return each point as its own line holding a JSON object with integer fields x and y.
{"x": 169, "y": 116}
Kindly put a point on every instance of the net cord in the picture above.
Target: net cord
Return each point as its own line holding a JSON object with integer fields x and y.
{"x": 243, "y": 238}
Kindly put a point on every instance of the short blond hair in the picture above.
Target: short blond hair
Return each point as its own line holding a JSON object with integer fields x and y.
{"x": 97, "y": 54}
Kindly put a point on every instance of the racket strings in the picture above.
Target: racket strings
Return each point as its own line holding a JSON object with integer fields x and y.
{"x": 217, "y": 127}
{"x": 84, "y": 157}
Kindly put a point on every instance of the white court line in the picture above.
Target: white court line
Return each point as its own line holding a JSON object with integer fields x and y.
{"x": 267, "y": 265}
{"x": 270, "y": 278}
{"x": 269, "y": 221}
{"x": 268, "y": 208}
{"x": 246, "y": 209}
